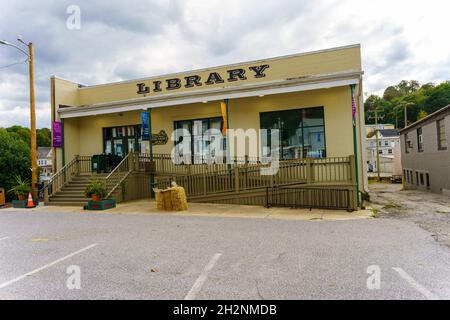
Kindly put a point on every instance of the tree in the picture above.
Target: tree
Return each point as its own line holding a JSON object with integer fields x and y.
{"x": 422, "y": 114}
{"x": 438, "y": 97}
{"x": 14, "y": 158}
{"x": 43, "y": 137}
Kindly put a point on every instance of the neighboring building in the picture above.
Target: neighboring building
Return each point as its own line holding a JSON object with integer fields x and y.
{"x": 314, "y": 98}
{"x": 44, "y": 161}
{"x": 371, "y": 127}
{"x": 426, "y": 153}
{"x": 388, "y": 149}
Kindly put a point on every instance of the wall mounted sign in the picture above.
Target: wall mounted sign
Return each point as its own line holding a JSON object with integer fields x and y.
{"x": 159, "y": 138}
{"x": 57, "y": 134}
{"x": 145, "y": 126}
{"x": 191, "y": 81}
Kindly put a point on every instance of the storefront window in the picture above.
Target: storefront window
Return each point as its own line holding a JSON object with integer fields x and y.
{"x": 302, "y": 131}
{"x": 198, "y": 129}
{"x": 122, "y": 140}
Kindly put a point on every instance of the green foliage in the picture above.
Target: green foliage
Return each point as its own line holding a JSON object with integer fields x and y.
{"x": 43, "y": 136}
{"x": 21, "y": 188}
{"x": 418, "y": 101}
{"x": 422, "y": 114}
{"x": 438, "y": 96}
{"x": 97, "y": 187}
{"x": 14, "y": 159}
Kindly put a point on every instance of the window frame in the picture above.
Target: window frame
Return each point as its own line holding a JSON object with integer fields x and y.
{"x": 300, "y": 109}
{"x": 191, "y": 126}
{"x": 439, "y": 136}
{"x": 419, "y": 139}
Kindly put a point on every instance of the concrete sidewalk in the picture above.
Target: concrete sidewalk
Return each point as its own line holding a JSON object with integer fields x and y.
{"x": 148, "y": 207}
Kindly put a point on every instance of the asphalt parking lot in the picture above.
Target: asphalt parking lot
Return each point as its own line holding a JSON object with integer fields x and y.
{"x": 194, "y": 257}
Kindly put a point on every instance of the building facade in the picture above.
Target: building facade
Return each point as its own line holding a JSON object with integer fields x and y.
{"x": 425, "y": 153}
{"x": 314, "y": 100}
{"x": 44, "y": 162}
{"x": 389, "y": 153}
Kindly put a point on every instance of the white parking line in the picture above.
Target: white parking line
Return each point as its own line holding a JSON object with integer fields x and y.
{"x": 5, "y": 284}
{"x": 202, "y": 278}
{"x": 4, "y": 238}
{"x": 425, "y": 292}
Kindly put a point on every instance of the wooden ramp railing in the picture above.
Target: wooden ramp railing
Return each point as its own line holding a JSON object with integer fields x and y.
{"x": 239, "y": 178}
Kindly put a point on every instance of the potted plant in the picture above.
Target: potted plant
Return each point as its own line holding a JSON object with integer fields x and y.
{"x": 22, "y": 188}
{"x": 96, "y": 189}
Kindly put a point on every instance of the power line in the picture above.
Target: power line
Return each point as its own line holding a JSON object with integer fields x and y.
{"x": 13, "y": 64}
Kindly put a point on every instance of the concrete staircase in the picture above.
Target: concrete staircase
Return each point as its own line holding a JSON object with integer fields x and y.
{"x": 72, "y": 194}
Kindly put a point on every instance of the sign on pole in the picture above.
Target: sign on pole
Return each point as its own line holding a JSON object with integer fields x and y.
{"x": 57, "y": 134}
{"x": 145, "y": 126}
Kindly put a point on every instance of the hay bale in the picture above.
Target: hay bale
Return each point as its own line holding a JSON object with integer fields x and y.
{"x": 167, "y": 200}
{"x": 159, "y": 200}
{"x": 178, "y": 199}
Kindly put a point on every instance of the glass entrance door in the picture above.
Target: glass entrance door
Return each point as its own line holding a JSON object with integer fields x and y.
{"x": 120, "y": 141}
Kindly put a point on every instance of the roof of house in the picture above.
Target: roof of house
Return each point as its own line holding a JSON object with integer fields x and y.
{"x": 427, "y": 118}
{"x": 389, "y": 132}
{"x": 43, "y": 152}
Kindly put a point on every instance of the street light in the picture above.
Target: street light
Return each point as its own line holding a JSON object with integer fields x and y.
{"x": 30, "y": 56}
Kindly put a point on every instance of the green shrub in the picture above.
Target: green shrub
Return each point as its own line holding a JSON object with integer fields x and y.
{"x": 97, "y": 187}
{"x": 21, "y": 188}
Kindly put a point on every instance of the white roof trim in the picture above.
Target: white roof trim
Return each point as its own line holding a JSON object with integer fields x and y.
{"x": 206, "y": 95}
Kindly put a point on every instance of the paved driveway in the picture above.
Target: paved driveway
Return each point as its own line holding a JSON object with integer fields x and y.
{"x": 195, "y": 257}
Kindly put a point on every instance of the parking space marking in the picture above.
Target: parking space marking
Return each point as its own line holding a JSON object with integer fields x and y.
{"x": 5, "y": 284}
{"x": 4, "y": 238}
{"x": 425, "y": 292}
{"x": 202, "y": 278}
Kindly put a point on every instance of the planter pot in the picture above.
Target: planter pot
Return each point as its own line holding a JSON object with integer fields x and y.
{"x": 23, "y": 203}
{"x": 100, "y": 205}
{"x": 96, "y": 198}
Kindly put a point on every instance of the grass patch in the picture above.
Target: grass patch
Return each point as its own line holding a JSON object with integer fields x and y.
{"x": 374, "y": 213}
{"x": 392, "y": 205}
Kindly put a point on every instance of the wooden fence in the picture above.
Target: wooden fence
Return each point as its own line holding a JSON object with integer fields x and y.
{"x": 245, "y": 177}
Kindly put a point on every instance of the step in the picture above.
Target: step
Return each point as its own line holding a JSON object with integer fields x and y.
{"x": 80, "y": 189}
{"x": 69, "y": 199}
{"x": 67, "y": 204}
{"x": 70, "y": 196}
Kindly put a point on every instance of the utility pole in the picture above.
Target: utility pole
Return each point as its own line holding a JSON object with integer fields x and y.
{"x": 406, "y": 115}
{"x": 376, "y": 143}
{"x": 34, "y": 171}
{"x": 30, "y": 58}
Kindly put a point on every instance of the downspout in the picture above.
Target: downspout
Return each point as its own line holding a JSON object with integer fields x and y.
{"x": 355, "y": 146}
{"x": 150, "y": 142}
{"x": 63, "y": 142}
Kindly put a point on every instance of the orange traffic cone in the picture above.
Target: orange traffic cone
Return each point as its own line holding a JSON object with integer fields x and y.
{"x": 30, "y": 203}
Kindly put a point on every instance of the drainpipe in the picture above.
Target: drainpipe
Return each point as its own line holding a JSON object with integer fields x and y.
{"x": 226, "y": 135}
{"x": 355, "y": 148}
{"x": 152, "y": 177}
{"x": 63, "y": 149}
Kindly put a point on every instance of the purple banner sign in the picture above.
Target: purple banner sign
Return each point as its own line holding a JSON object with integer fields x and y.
{"x": 57, "y": 134}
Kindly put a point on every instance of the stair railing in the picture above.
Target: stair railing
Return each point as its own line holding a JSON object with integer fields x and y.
{"x": 120, "y": 173}
{"x": 60, "y": 178}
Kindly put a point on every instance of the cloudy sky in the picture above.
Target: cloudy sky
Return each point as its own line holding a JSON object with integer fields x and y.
{"x": 120, "y": 40}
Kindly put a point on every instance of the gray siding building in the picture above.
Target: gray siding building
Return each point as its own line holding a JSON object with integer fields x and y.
{"x": 426, "y": 153}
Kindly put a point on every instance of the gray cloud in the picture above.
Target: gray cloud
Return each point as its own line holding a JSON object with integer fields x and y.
{"x": 122, "y": 40}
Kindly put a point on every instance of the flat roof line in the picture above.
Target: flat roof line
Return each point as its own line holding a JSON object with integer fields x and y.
{"x": 219, "y": 66}
{"x": 434, "y": 114}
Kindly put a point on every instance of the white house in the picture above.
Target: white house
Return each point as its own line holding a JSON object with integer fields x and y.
{"x": 388, "y": 150}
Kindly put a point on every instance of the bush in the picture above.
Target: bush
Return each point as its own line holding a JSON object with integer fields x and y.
{"x": 97, "y": 187}
{"x": 21, "y": 188}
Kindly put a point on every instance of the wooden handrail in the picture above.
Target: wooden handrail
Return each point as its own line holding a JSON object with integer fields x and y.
{"x": 123, "y": 166}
